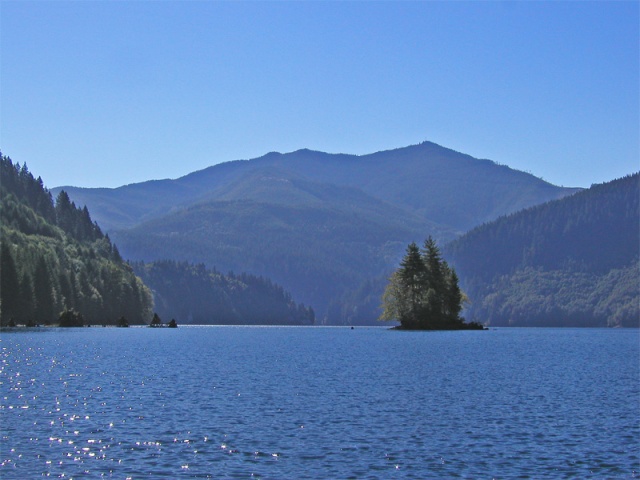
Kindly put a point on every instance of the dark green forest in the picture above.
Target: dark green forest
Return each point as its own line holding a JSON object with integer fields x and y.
{"x": 570, "y": 262}
{"x": 54, "y": 258}
{"x": 196, "y": 295}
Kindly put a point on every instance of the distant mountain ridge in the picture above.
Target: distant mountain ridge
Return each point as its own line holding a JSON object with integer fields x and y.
{"x": 440, "y": 184}
{"x": 321, "y": 225}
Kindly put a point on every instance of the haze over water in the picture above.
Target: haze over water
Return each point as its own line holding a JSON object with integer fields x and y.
{"x": 276, "y": 402}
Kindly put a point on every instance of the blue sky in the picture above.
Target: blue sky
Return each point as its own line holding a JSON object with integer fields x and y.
{"x": 115, "y": 92}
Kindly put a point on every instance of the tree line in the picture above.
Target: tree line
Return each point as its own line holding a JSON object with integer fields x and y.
{"x": 194, "y": 294}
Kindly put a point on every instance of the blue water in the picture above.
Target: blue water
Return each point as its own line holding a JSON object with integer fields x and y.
{"x": 305, "y": 402}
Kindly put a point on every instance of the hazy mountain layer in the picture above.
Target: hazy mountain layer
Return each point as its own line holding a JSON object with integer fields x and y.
{"x": 317, "y": 240}
{"x": 437, "y": 183}
{"x": 321, "y": 225}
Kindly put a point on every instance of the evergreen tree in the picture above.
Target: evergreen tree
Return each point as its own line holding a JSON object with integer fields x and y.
{"x": 413, "y": 279}
{"x": 423, "y": 293}
{"x": 454, "y": 297}
{"x": 155, "y": 322}
{"x": 19, "y": 182}
{"x": 64, "y": 212}
{"x": 435, "y": 284}
{"x": 43, "y": 292}
{"x": 9, "y": 286}
{"x": 26, "y": 301}
{"x": 115, "y": 254}
{"x": 66, "y": 290}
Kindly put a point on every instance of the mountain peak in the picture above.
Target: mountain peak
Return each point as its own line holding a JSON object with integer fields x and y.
{"x": 430, "y": 180}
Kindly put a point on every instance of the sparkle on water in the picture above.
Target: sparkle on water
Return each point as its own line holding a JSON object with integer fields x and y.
{"x": 271, "y": 402}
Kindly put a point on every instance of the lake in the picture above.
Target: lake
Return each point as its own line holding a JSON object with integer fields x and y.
{"x": 316, "y": 402}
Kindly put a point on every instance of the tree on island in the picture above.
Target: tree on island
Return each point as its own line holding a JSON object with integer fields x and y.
{"x": 71, "y": 318}
{"x": 423, "y": 293}
{"x": 155, "y": 322}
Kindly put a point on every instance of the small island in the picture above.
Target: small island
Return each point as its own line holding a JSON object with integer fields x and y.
{"x": 423, "y": 293}
{"x": 71, "y": 318}
{"x": 157, "y": 323}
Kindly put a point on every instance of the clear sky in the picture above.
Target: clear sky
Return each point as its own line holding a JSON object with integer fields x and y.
{"x": 116, "y": 92}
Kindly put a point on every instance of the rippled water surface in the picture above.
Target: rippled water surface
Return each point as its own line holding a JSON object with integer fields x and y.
{"x": 251, "y": 402}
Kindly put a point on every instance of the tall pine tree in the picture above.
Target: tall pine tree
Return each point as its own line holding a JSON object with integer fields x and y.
{"x": 413, "y": 276}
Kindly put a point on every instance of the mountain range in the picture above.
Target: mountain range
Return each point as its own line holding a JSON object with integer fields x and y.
{"x": 327, "y": 227}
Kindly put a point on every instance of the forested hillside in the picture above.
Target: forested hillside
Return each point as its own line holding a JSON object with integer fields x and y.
{"x": 571, "y": 262}
{"x": 54, "y": 258}
{"x": 196, "y": 295}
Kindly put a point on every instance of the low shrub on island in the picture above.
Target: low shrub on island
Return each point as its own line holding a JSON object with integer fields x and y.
{"x": 71, "y": 318}
{"x": 156, "y": 322}
{"x": 423, "y": 294}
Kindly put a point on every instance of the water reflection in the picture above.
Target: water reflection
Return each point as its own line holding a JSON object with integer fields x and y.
{"x": 309, "y": 403}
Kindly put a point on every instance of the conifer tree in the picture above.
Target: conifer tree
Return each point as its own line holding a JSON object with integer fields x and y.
{"x": 64, "y": 212}
{"x": 9, "y": 286}
{"x": 43, "y": 293}
{"x": 66, "y": 290}
{"x": 436, "y": 285}
{"x": 413, "y": 278}
{"x": 155, "y": 322}
{"x": 26, "y": 301}
{"x": 454, "y": 297}
{"x": 423, "y": 293}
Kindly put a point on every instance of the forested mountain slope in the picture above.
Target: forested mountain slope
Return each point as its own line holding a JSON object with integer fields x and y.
{"x": 54, "y": 257}
{"x": 569, "y": 262}
{"x": 197, "y": 295}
